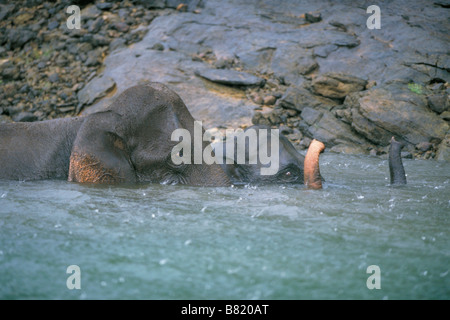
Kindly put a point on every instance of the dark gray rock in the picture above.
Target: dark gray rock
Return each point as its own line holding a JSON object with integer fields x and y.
{"x": 438, "y": 102}
{"x": 310, "y": 115}
{"x": 313, "y": 17}
{"x": 100, "y": 40}
{"x": 324, "y": 51}
{"x": 158, "y": 46}
{"x": 89, "y": 12}
{"x": 9, "y": 71}
{"x": 52, "y": 25}
{"x": 230, "y": 77}
{"x": 95, "y": 89}
{"x": 331, "y": 131}
{"x": 5, "y": 10}
{"x": 93, "y": 58}
{"x": 96, "y": 25}
{"x": 292, "y": 62}
{"x": 443, "y": 153}
{"x": 54, "y": 77}
{"x": 19, "y": 36}
{"x": 121, "y": 26}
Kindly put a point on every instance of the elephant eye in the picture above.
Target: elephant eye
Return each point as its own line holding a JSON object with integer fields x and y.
{"x": 288, "y": 173}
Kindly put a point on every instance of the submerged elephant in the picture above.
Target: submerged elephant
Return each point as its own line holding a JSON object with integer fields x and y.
{"x": 131, "y": 142}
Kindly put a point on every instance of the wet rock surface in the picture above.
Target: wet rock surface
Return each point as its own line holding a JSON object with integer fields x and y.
{"x": 313, "y": 69}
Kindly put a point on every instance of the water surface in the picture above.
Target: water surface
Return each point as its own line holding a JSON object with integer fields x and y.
{"x": 265, "y": 242}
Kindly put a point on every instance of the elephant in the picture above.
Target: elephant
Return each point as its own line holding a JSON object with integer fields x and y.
{"x": 131, "y": 142}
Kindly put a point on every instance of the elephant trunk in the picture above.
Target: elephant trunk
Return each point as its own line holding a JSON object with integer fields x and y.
{"x": 313, "y": 179}
{"x": 396, "y": 169}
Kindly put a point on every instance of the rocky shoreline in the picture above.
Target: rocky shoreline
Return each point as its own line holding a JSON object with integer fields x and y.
{"x": 314, "y": 70}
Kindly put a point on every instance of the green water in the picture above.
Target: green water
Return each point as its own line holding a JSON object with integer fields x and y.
{"x": 269, "y": 242}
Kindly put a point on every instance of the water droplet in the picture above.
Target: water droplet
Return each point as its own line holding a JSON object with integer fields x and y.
{"x": 424, "y": 238}
{"x": 203, "y": 209}
{"x": 103, "y": 283}
{"x": 121, "y": 279}
{"x": 425, "y": 273}
{"x": 153, "y": 215}
{"x": 96, "y": 210}
{"x": 56, "y": 226}
{"x": 187, "y": 242}
{"x": 162, "y": 262}
{"x": 360, "y": 197}
{"x": 4, "y": 195}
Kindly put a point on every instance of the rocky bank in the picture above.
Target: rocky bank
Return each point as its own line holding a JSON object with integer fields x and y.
{"x": 312, "y": 68}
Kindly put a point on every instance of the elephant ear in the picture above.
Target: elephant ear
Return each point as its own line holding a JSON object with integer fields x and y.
{"x": 100, "y": 153}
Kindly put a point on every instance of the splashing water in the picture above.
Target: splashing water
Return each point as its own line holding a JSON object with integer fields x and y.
{"x": 265, "y": 242}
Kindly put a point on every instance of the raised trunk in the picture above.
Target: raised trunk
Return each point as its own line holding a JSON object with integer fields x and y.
{"x": 396, "y": 169}
{"x": 313, "y": 179}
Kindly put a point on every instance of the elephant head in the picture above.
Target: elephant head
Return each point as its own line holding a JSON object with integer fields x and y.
{"x": 131, "y": 142}
{"x": 289, "y": 163}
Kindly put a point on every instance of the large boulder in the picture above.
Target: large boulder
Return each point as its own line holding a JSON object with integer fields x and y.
{"x": 395, "y": 110}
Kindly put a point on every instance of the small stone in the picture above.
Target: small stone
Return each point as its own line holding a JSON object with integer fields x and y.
{"x": 338, "y": 25}
{"x": 256, "y": 98}
{"x": 158, "y": 46}
{"x": 324, "y": 51}
{"x": 291, "y": 112}
{"x": 93, "y": 58}
{"x": 99, "y": 40}
{"x": 310, "y": 115}
{"x": 104, "y": 5}
{"x": 96, "y": 25}
{"x": 313, "y": 17}
{"x": 438, "y": 102}
{"x": 20, "y": 36}
{"x": 52, "y": 25}
{"x": 285, "y": 129}
{"x": 121, "y": 26}
{"x": 270, "y": 100}
{"x": 54, "y": 77}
